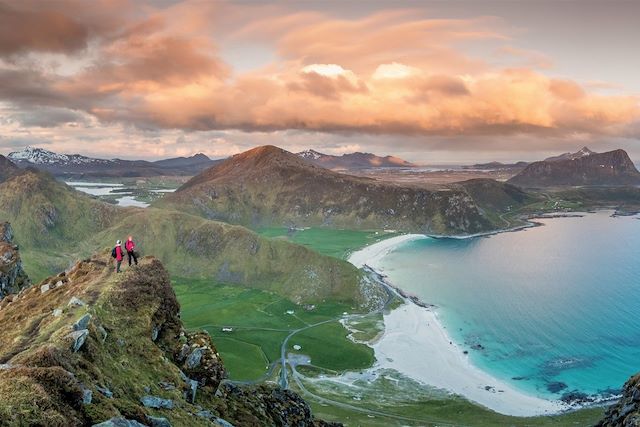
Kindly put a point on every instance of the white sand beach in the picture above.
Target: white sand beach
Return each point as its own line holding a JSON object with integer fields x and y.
{"x": 417, "y": 345}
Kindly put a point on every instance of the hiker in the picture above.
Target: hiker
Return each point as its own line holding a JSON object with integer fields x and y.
{"x": 130, "y": 246}
{"x": 118, "y": 254}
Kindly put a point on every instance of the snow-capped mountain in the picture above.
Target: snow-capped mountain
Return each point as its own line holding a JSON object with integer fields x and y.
{"x": 583, "y": 152}
{"x": 353, "y": 160}
{"x": 40, "y": 156}
{"x": 310, "y": 155}
{"x": 78, "y": 166}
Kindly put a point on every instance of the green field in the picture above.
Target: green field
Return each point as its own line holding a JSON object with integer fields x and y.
{"x": 335, "y": 243}
{"x": 260, "y": 324}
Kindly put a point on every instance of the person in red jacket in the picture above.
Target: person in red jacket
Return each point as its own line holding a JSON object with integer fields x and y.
{"x": 130, "y": 246}
{"x": 118, "y": 254}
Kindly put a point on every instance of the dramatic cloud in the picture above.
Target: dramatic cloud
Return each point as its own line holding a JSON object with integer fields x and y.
{"x": 165, "y": 69}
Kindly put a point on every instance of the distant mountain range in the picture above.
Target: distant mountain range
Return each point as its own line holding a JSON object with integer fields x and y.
{"x": 78, "y": 166}
{"x": 355, "y": 160}
{"x": 497, "y": 166}
{"x": 271, "y": 186}
{"x": 585, "y": 167}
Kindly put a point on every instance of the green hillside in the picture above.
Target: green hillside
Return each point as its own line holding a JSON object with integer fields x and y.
{"x": 55, "y": 225}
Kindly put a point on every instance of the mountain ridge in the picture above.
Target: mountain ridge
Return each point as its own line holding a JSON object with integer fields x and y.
{"x": 612, "y": 168}
{"x": 268, "y": 185}
{"x": 355, "y": 160}
{"x": 91, "y": 347}
{"x": 79, "y": 166}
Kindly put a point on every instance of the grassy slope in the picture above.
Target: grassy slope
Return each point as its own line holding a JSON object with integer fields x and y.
{"x": 55, "y": 225}
{"x": 328, "y": 241}
{"x": 260, "y": 322}
{"x": 193, "y": 247}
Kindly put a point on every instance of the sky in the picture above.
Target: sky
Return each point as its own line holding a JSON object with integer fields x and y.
{"x": 435, "y": 82}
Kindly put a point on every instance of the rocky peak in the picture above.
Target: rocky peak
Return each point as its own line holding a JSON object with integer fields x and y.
{"x": 583, "y": 152}
{"x": 12, "y": 276}
{"x": 91, "y": 347}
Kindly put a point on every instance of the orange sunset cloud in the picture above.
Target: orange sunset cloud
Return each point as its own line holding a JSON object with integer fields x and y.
{"x": 392, "y": 71}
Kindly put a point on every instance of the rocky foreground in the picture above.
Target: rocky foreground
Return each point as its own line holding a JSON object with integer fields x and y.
{"x": 91, "y": 347}
{"x": 12, "y": 275}
{"x": 625, "y": 413}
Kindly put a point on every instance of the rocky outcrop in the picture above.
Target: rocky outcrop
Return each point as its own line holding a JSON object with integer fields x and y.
{"x": 613, "y": 168}
{"x": 626, "y": 412}
{"x": 12, "y": 275}
{"x": 99, "y": 348}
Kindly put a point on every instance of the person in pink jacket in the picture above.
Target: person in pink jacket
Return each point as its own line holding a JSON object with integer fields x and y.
{"x": 118, "y": 254}
{"x": 130, "y": 247}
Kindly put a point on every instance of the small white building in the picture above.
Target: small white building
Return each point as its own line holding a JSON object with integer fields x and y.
{"x": 290, "y": 311}
{"x": 227, "y": 329}
{"x": 297, "y": 347}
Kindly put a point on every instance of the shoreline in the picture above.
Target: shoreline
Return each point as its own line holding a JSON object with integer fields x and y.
{"x": 416, "y": 344}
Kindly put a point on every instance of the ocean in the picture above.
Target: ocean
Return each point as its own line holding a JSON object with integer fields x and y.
{"x": 550, "y": 310}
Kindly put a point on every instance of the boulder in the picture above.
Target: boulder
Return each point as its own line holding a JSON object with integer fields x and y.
{"x": 156, "y": 402}
{"x": 76, "y": 302}
{"x": 119, "y": 422}
{"x": 82, "y": 322}
{"x": 78, "y": 337}
{"x": 158, "y": 421}
{"x": 105, "y": 392}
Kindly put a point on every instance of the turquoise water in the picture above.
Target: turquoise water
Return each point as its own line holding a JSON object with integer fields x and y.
{"x": 553, "y": 306}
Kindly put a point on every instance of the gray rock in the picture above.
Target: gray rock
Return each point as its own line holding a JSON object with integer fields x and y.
{"x": 210, "y": 416}
{"x": 184, "y": 350}
{"x": 87, "y": 395}
{"x": 626, "y": 410}
{"x": 105, "y": 391}
{"x": 167, "y": 386}
{"x": 194, "y": 359}
{"x": 82, "y": 322}
{"x": 57, "y": 312}
{"x": 206, "y": 414}
{"x": 45, "y": 288}
{"x": 155, "y": 331}
{"x": 156, "y": 402}
{"x": 193, "y": 388}
{"x": 636, "y": 395}
{"x": 121, "y": 342}
{"x": 119, "y": 422}
{"x": 103, "y": 333}
{"x": 158, "y": 421}
{"x": 59, "y": 283}
{"x": 4, "y": 366}
{"x": 76, "y": 302}
{"x": 79, "y": 337}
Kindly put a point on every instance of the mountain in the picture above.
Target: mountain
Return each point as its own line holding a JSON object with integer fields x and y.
{"x": 58, "y": 224}
{"x": 197, "y": 162}
{"x": 270, "y": 186}
{"x": 78, "y": 166}
{"x": 354, "y": 160}
{"x": 583, "y": 152}
{"x": 7, "y": 168}
{"x": 612, "y": 168}
{"x": 91, "y": 347}
{"x": 497, "y": 166}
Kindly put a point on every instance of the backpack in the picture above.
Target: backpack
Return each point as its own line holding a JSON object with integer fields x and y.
{"x": 113, "y": 253}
